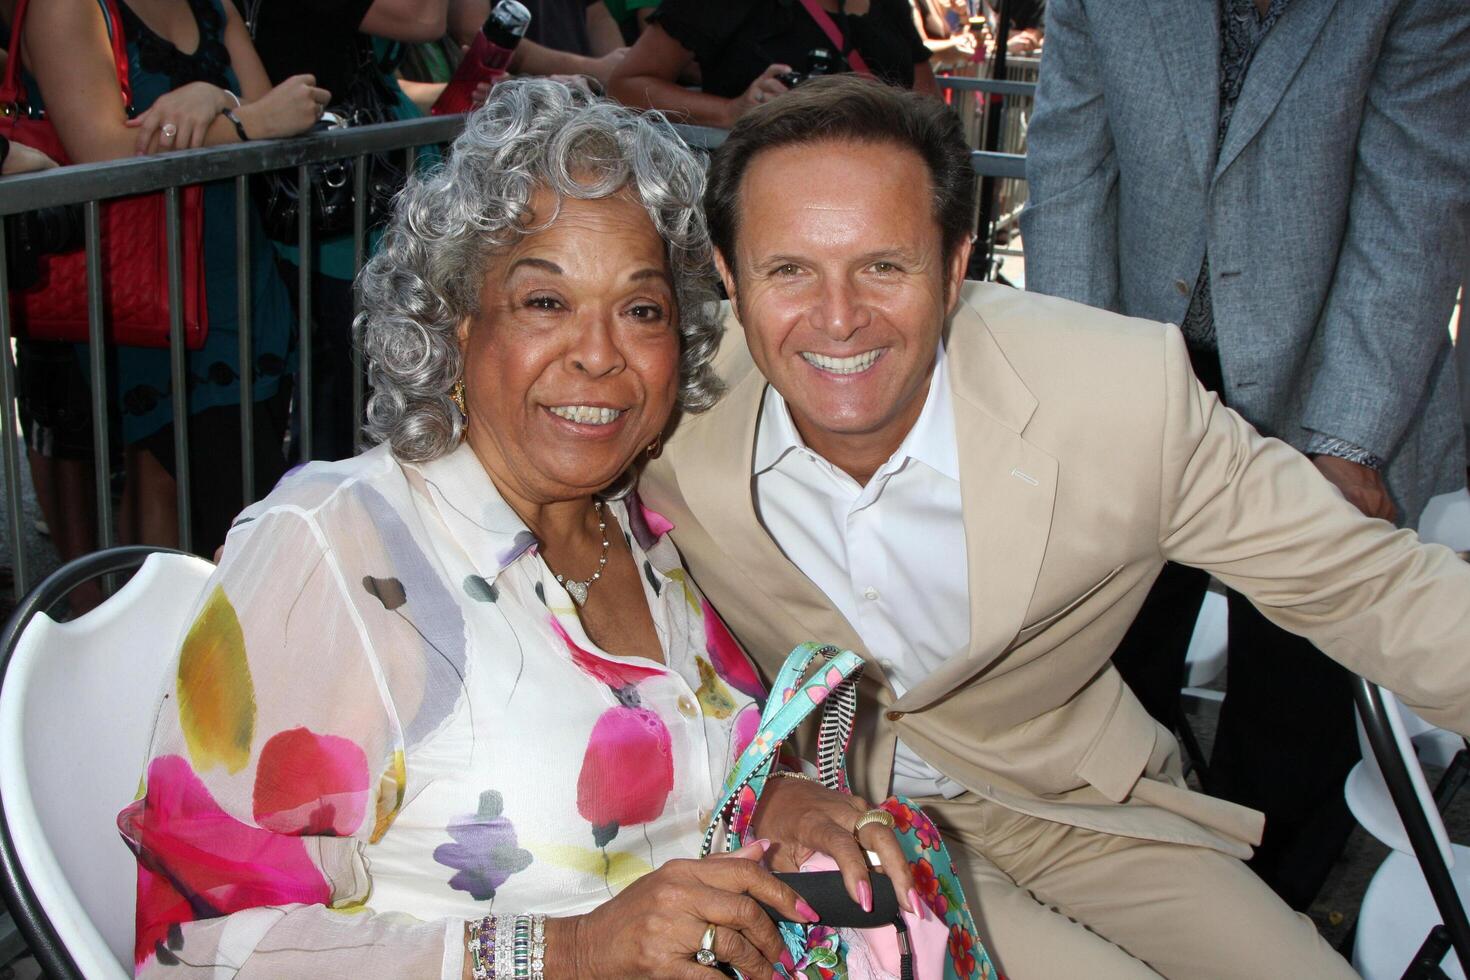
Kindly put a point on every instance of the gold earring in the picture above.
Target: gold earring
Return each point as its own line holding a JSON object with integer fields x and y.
{"x": 655, "y": 447}
{"x": 456, "y": 395}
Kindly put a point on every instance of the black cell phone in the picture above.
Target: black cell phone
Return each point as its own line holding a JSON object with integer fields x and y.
{"x": 826, "y": 894}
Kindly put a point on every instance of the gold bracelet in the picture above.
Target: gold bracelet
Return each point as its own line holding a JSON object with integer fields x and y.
{"x": 788, "y": 774}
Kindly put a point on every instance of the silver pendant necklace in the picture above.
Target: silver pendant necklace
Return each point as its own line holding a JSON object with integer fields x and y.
{"x": 578, "y": 590}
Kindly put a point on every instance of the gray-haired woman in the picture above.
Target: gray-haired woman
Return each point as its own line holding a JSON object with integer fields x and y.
{"x": 458, "y": 691}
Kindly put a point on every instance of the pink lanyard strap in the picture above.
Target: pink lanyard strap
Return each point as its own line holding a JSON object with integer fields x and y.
{"x": 829, "y": 27}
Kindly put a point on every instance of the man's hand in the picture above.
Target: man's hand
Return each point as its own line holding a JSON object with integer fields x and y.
{"x": 1362, "y": 485}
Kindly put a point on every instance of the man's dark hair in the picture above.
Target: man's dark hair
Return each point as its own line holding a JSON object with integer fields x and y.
{"x": 847, "y": 107}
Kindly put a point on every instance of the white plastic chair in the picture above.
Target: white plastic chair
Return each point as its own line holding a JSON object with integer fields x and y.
{"x": 1400, "y": 908}
{"x": 1209, "y": 645}
{"x": 1446, "y": 520}
{"x": 77, "y": 703}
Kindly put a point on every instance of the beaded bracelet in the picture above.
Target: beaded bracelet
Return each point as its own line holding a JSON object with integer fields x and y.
{"x": 482, "y": 949}
{"x": 508, "y": 947}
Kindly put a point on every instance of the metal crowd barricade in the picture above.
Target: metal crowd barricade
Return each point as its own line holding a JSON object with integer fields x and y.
{"x": 91, "y": 184}
{"x": 1001, "y": 106}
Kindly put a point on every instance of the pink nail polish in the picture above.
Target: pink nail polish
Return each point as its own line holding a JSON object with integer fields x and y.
{"x": 806, "y": 911}
{"x": 763, "y": 844}
{"x": 865, "y": 896}
{"x": 918, "y": 906}
{"x": 787, "y": 960}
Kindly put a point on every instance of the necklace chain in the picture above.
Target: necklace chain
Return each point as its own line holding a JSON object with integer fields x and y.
{"x": 578, "y": 590}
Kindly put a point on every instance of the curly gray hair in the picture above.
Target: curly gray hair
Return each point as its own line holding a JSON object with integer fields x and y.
{"x": 426, "y": 277}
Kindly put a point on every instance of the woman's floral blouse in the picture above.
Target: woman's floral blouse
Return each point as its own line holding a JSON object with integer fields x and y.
{"x": 386, "y": 719}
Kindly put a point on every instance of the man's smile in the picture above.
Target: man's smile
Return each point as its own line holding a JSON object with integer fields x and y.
{"x": 856, "y": 364}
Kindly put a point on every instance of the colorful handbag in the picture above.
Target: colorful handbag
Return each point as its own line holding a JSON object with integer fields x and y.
{"x": 821, "y": 951}
{"x": 134, "y": 235}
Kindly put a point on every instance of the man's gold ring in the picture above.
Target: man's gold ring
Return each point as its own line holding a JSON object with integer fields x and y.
{"x": 873, "y": 816}
{"x": 705, "y": 955}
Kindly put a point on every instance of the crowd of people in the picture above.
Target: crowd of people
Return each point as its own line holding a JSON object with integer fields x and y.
{"x": 600, "y": 508}
{"x": 210, "y": 72}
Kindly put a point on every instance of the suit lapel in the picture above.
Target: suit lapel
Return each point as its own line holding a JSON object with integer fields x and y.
{"x": 1007, "y": 487}
{"x": 1187, "y": 37}
{"x": 1275, "y": 64}
{"x": 719, "y": 493}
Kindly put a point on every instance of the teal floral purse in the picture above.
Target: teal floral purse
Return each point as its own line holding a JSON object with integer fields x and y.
{"x": 821, "y": 951}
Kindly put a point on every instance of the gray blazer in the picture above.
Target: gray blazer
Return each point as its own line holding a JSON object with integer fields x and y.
{"x": 1336, "y": 213}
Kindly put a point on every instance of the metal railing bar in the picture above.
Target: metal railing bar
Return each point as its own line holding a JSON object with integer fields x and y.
{"x": 701, "y": 137}
{"x": 993, "y": 86}
{"x": 141, "y": 175}
{"x": 988, "y": 163}
{"x": 303, "y": 298}
{"x": 97, "y": 358}
{"x": 1437, "y": 877}
{"x": 359, "y": 253}
{"x": 243, "y": 289}
{"x": 9, "y": 435}
{"x": 178, "y": 363}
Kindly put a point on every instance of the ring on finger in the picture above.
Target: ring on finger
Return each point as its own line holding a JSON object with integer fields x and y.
{"x": 873, "y": 816}
{"x": 169, "y": 131}
{"x": 705, "y": 955}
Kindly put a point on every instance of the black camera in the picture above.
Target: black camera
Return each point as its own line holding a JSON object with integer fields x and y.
{"x": 819, "y": 61}
{"x": 32, "y": 234}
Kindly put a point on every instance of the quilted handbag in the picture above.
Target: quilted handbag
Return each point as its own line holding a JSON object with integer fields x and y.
{"x": 134, "y": 238}
{"x": 821, "y": 951}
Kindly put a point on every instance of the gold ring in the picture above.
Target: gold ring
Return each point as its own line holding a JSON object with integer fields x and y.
{"x": 705, "y": 955}
{"x": 873, "y": 816}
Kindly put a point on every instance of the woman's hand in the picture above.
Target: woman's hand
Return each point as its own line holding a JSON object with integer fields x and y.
{"x": 22, "y": 159}
{"x": 765, "y": 88}
{"x": 800, "y": 816}
{"x": 654, "y": 926}
{"x": 178, "y": 119}
{"x": 964, "y": 45}
{"x": 291, "y": 107}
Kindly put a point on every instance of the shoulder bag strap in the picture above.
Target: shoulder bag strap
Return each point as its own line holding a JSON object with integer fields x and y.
{"x": 833, "y": 688}
{"x": 834, "y": 34}
{"x": 10, "y": 96}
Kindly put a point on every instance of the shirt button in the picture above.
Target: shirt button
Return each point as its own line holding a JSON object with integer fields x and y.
{"x": 894, "y": 715}
{"x": 687, "y": 707}
{"x": 1181, "y": 287}
{"x": 886, "y": 664}
{"x": 870, "y": 593}
{"x": 704, "y": 815}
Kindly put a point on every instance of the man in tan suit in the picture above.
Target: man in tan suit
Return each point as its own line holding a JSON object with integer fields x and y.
{"x": 973, "y": 488}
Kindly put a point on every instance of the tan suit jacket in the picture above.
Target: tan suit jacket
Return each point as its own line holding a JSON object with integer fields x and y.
{"x": 1089, "y": 455}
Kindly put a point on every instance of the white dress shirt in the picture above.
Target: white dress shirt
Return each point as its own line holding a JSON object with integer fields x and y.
{"x": 889, "y": 555}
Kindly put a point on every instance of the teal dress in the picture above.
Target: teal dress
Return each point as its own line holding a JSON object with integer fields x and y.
{"x": 143, "y": 380}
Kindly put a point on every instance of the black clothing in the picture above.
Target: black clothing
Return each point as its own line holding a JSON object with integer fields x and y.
{"x": 334, "y": 424}
{"x": 315, "y": 37}
{"x": 157, "y": 55}
{"x": 735, "y": 41}
{"x": 215, "y": 466}
{"x": 560, "y": 24}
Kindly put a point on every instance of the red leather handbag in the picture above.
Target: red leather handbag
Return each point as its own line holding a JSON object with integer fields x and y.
{"x": 134, "y": 238}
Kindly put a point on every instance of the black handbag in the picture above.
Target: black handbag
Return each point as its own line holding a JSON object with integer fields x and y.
{"x": 368, "y": 100}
